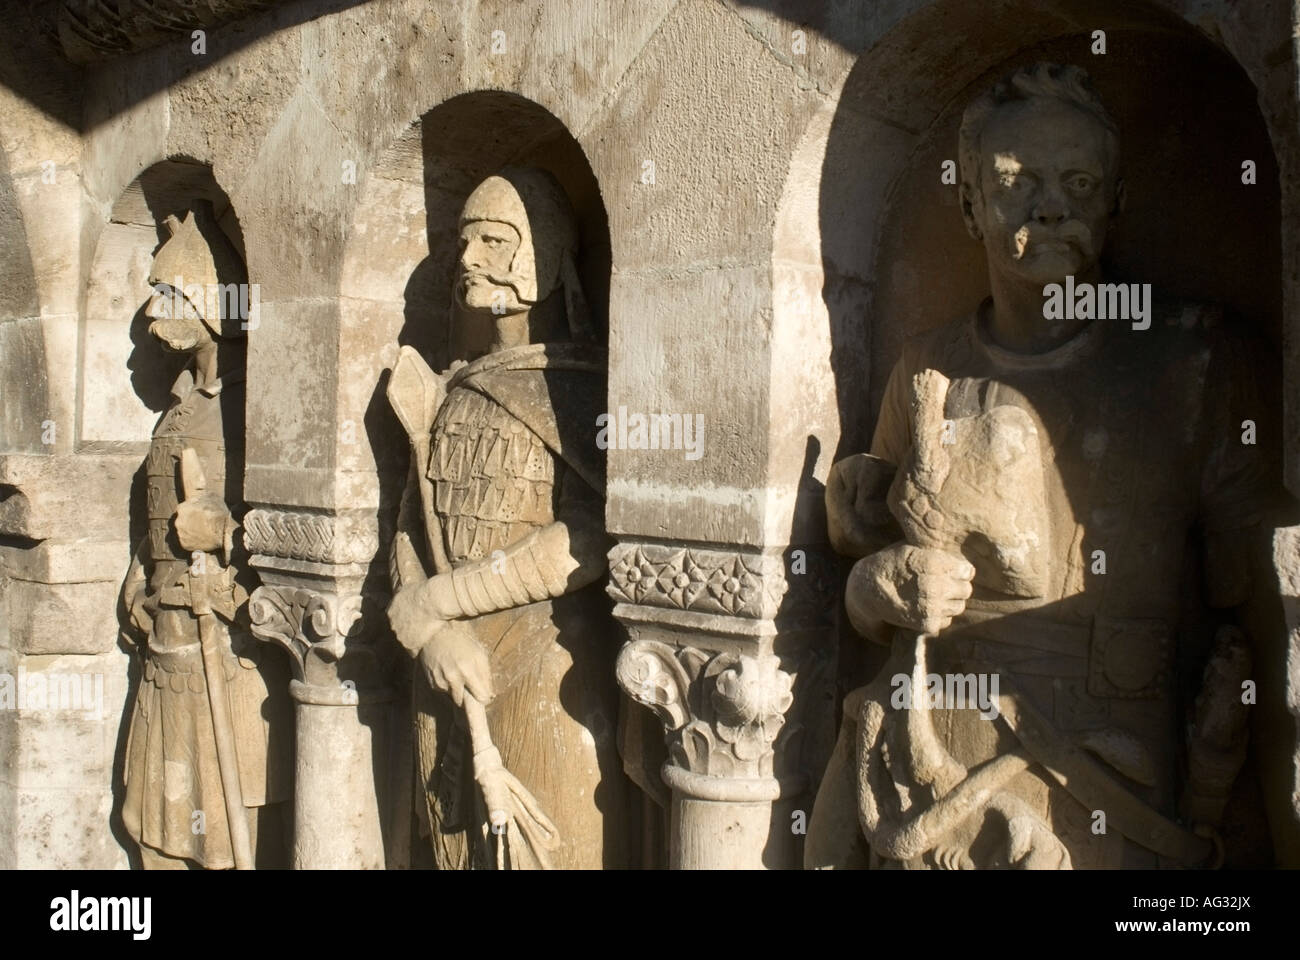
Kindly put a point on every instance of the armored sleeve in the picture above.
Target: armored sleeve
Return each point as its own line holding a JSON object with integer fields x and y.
{"x": 550, "y": 561}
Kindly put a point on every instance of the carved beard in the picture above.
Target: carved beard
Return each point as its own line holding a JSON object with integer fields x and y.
{"x": 506, "y": 281}
{"x": 179, "y": 335}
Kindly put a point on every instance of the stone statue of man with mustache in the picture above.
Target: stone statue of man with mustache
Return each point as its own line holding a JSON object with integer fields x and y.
{"x": 188, "y": 587}
{"x": 1036, "y": 490}
{"x": 499, "y": 557}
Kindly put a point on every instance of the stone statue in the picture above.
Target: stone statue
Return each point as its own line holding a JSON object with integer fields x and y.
{"x": 208, "y": 756}
{"x": 1039, "y": 480}
{"x": 515, "y": 702}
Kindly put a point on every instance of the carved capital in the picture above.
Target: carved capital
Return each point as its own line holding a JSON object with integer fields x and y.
{"x": 718, "y": 638}
{"x": 318, "y": 629}
{"x": 724, "y": 713}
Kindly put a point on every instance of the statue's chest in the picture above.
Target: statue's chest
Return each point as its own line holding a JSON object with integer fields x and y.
{"x": 1109, "y": 434}
{"x": 194, "y": 422}
{"x": 489, "y": 471}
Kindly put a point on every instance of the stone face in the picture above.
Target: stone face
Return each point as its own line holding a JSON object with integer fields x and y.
{"x": 764, "y": 206}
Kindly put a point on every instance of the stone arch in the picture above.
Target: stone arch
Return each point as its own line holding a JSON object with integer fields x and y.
{"x": 112, "y": 411}
{"x": 903, "y": 97}
{"x": 395, "y": 289}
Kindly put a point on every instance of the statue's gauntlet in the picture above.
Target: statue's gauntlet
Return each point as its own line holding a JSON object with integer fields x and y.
{"x": 546, "y": 563}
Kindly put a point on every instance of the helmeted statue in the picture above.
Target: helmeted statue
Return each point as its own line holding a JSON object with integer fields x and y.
{"x": 198, "y": 765}
{"x": 499, "y": 559}
{"x": 1038, "y": 485}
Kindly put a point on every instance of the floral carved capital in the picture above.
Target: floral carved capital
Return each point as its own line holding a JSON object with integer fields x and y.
{"x": 723, "y": 712}
{"x": 312, "y": 627}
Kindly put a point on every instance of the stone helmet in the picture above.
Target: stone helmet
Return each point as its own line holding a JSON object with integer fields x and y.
{"x": 534, "y": 203}
{"x": 200, "y": 256}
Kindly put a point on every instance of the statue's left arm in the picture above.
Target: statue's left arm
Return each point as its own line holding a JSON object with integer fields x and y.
{"x": 558, "y": 558}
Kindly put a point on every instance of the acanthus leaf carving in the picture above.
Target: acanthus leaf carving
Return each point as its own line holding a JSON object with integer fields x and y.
{"x": 652, "y": 675}
{"x": 307, "y": 624}
{"x": 750, "y": 697}
{"x": 723, "y": 712}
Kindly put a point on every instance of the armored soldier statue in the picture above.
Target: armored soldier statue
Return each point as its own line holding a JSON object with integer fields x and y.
{"x": 209, "y": 743}
{"x": 500, "y": 555}
{"x": 1037, "y": 487}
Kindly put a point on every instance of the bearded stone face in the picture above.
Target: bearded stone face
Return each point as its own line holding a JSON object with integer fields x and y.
{"x": 484, "y": 281}
{"x": 1047, "y": 191}
{"x": 176, "y": 322}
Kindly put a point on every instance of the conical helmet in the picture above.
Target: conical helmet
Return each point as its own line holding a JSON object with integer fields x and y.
{"x": 533, "y": 203}
{"x": 200, "y": 262}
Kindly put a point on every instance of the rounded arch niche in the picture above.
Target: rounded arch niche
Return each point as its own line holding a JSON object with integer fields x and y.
{"x": 396, "y": 280}
{"x": 124, "y": 376}
{"x": 887, "y": 247}
{"x": 113, "y": 408}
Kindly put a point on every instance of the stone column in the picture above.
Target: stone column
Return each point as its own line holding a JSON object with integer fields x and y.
{"x": 720, "y": 648}
{"x": 314, "y": 604}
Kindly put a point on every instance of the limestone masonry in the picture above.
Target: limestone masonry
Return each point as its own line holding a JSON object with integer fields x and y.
{"x": 683, "y": 434}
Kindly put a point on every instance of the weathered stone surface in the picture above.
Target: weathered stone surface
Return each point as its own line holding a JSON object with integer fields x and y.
{"x": 762, "y": 224}
{"x": 43, "y": 495}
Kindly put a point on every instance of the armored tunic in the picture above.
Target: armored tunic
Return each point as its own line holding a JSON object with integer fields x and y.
{"x": 172, "y": 776}
{"x": 1143, "y": 447}
{"x": 555, "y": 716}
{"x": 494, "y": 479}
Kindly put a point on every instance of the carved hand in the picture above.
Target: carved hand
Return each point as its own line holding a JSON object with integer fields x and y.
{"x": 857, "y": 516}
{"x": 141, "y": 608}
{"x": 919, "y": 588}
{"x": 411, "y": 621}
{"x": 453, "y": 661}
{"x": 134, "y": 589}
{"x": 201, "y": 522}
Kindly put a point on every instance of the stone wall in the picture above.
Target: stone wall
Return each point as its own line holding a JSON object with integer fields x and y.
{"x": 748, "y": 178}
